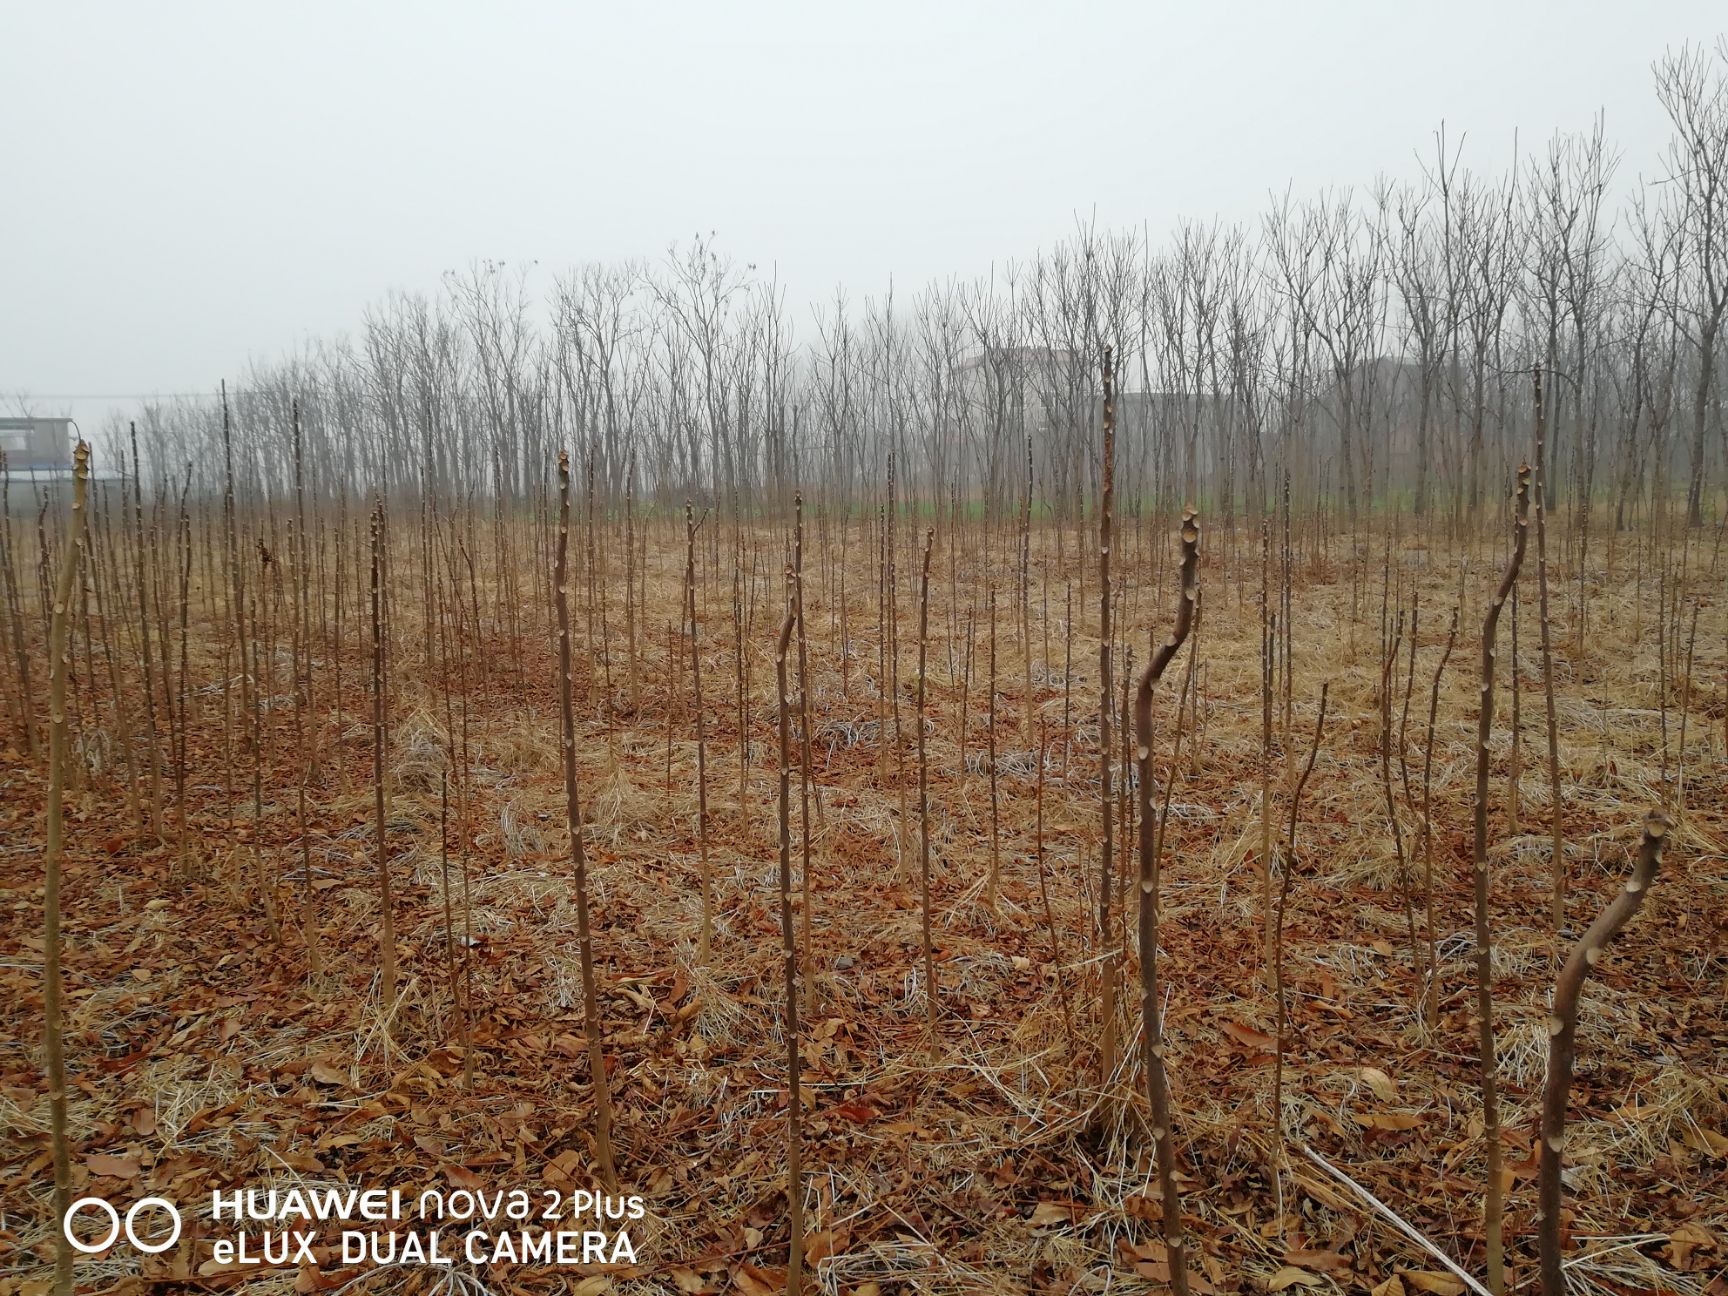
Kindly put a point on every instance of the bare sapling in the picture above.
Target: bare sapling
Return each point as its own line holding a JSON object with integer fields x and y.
{"x": 955, "y": 542}
{"x": 673, "y": 665}
{"x": 304, "y": 751}
{"x": 1388, "y": 673}
{"x": 1189, "y": 676}
{"x": 107, "y": 568}
{"x": 634, "y": 674}
{"x": 705, "y": 940}
{"x": 460, "y": 759}
{"x": 967, "y": 657}
{"x": 1556, "y": 793}
{"x": 1067, "y": 671}
{"x": 1562, "y": 1044}
{"x": 931, "y": 994}
{"x": 237, "y": 609}
{"x": 386, "y": 907}
{"x": 1027, "y": 699}
{"x": 894, "y": 661}
{"x": 458, "y": 1005}
{"x": 882, "y": 676}
{"x": 1268, "y": 640}
{"x": 1286, "y": 600}
{"x": 1409, "y": 690}
{"x": 844, "y": 626}
{"x": 303, "y": 595}
{"x": 15, "y": 613}
{"x": 593, "y": 584}
{"x": 90, "y": 709}
{"x": 1152, "y": 1036}
{"x": 1431, "y": 1008}
{"x": 740, "y": 678}
{"x": 1685, "y": 715}
{"x": 53, "y": 856}
{"x": 1278, "y": 987}
{"x": 1515, "y": 763}
{"x": 255, "y": 722}
{"x": 335, "y": 646}
{"x": 183, "y": 544}
{"x": 995, "y": 880}
{"x": 1108, "y": 967}
{"x": 1663, "y": 680}
{"x": 1124, "y": 800}
{"x": 153, "y": 761}
{"x": 1056, "y": 960}
{"x": 578, "y": 857}
{"x": 806, "y": 909}
{"x": 789, "y": 947}
{"x": 1493, "y": 1221}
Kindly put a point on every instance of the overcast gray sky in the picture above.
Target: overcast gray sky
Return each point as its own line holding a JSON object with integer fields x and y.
{"x": 185, "y": 186}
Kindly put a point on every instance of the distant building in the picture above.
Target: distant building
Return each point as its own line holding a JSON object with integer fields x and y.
{"x": 1022, "y": 385}
{"x": 39, "y": 460}
{"x": 37, "y": 444}
{"x": 1144, "y": 412}
{"x": 1034, "y": 361}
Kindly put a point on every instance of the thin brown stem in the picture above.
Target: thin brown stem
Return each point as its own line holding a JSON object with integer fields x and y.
{"x": 1152, "y": 1028}
{"x": 1562, "y": 1046}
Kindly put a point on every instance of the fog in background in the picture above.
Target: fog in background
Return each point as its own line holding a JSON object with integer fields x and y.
{"x": 188, "y": 186}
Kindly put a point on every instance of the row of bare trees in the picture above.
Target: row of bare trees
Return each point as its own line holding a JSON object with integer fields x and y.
{"x": 1369, "y": 342}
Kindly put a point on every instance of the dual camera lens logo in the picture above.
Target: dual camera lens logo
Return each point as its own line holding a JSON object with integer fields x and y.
{"x": 101, "y": 1207}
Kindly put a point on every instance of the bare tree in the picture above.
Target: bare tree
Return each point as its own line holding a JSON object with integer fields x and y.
{"x": 1693, "y": 90}
{"x": 1152, "y": 1030}
{"x": 1493, "y": 1222}
{"x": 1562, "y": 1043}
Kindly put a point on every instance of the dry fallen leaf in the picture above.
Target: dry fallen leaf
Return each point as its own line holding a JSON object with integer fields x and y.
{"x": 1291, "y": 1276}
{"x": 1686, "y": 1239}
{"x": 463, "y": 1177}
{"x": 1254, "y": 1039}
{"x": 758, "y": 1282}
{"x": 1159, "y": 1272}
{"x": 1386, "y": 1120}
{"x": 1047, "y": 1213}
{"x": 213, "y": 1268}
{"x": 1316, "y": 1259}
{"x": 111, "y": 1167}
{"x": 1437, "y": 1284}
{"x": 1382, "y": 1084}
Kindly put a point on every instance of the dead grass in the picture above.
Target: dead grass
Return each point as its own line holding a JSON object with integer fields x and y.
{"x": 926, "y": 1172}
